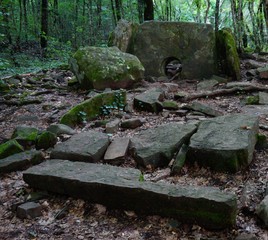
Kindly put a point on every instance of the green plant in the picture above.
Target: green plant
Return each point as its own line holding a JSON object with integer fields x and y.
{"x": 118, "y": 104}
{"x": 82, "y": 117}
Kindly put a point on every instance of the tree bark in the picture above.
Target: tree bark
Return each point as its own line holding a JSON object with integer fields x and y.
{"x": 149, "y": 10}
{"x": 44, "y": 24}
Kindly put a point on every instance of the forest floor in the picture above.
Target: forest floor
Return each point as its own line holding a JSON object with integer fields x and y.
{"x": 67, "y": 218}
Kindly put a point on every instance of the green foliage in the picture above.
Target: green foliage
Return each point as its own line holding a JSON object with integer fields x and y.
{"x": 141, "y": 178}
{"x": 117, "y": 105}
{"x": 82, "y": 117}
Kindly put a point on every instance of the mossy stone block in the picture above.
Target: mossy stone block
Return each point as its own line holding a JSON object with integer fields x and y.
{"x": 9, "y": 148}
{"x": 46, "y": 140}
{"x": 25, "y": 135}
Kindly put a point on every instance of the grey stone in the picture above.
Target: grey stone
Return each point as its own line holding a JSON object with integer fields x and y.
{"x": 112, "y": 126}
{"x": 206, "y": 85}
{"x": 149, "y": 100}
{"x": 117, "y": 151}
{"x": 203, "y": 108}
{"x": 131, "y": 123}
{"x": 239, "y": 84}
{"x": 263, "y": 72}
{"x": 180, "y": 95}
{"x": 101, "y": 68}
{"x": 29, "y": 210}
{"x": 25, "y": 135}
{"x": 262, "y": 211}
{"x": 171, "y": 87}
{"x": 46, "y": 140}
{"x": 246, "y": 236}
{"x": 156, "y": 147}
{"x": 20, "y": 161}
{"x": 263, "y": 98}
{"x": 28, "y": 118}
{"x": 257, "y": 110}
{"x": 252, "y": 64}
{"x": 158, "y": 43}
{"x": 219, "y": 79}
{"x": 120, "y": 188}
{"x": 170, "y": 105}
{"x": 179, "y": 160}
{"x": 224, "y": 143}
{"x": 86, "y": 146}
{"x": 60, "y": 129}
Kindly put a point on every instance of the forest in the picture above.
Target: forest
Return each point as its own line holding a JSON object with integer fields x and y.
{"x": 27, "y": 27}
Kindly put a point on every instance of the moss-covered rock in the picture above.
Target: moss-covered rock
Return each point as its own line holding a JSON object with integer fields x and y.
{"x": 102, "y": 68}
{"x": 252, "y": 100}
{"x": 93, "y": 107}
{"x": 227, "y": 53}
{"x": 4, "y": 87}
{"x": 9, "y": 148}
{"x": 170, "y": 105}
{"x": 25, "y": 135}
{"x": 46, "y": 140}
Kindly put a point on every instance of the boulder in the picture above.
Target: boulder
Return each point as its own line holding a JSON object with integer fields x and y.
{"x": 20, "y": 161}
{"x": 149, "y": 100}
{"x": 102, "y": 68}
{"x": 123, "y": 35}
{"x": 120, "y": 188}
{"x": 9, "y": 148}
{"x": 155, "y": 147}
{"x": 25, "y": 135}
{"x": 159, "y": 43}
{"x": 170, "y": 105}
{"x": 224, "y": 143}
{"x": 101, "y": 104}
{"x": 86, "y": 146}
{"x": 60, "y": 129}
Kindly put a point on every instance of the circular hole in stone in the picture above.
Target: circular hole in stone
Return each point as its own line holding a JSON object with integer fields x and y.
{"x": 172, "y": 67}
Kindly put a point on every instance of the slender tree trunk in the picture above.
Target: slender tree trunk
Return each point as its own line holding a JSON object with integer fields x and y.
{"x": 5, "y": 11}
{"x": 265, "y": 6}
{"x": 113, "y": 11}
{"x": 149, "y": 10}
{"x": 207, "y": 11}
{"x": 44, "y": 25}
{"x": 25, "y": 19}
{"x": 217, "y": 15}
{"x": 118, "y": 9}
{"x": 140, "y": 4}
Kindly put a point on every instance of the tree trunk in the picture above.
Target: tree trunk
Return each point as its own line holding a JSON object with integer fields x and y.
{"x": 118, "y": 9}
{"x": 140, "y": 10}
{"x": 44, "y": 25}
{"x": 149, "y": 10}
{"x": 217, "y": 15}
{"x": 265, "y": 6}
{"x": 25, "y": 18}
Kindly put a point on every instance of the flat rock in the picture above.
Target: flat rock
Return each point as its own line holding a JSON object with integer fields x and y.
{"x": 156, "y": 147}
{"x": 206, "y": 206}
{"x": 263, "y": 98}
{"x": 60, "y": 129}
{"x": 112, "y": 126}
{"x": 25, "y": 135}
{"x": 86, "y": 146}
{"x": 239, "y": 84}
{"x": 207, "y": 85}
{"x": 224, "y": 143}
{"x": 20, "y": 161}
{"x": 203, "y": 108}
{"x": 149, "y": 100}
{"x": 132, "y": 123}
{"x": 263, "y": 72}
{"x": 117, "y": 151}
{"x": 9, "y": 148}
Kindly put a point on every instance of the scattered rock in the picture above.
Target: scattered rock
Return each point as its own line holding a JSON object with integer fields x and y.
{"x": 156, "y": 147}
{"x": 262, "y": 211}
{"x": 101, "y": 68}
{"x": 29, "y": 210}
{"x": 149, "y": 100}
{"x": 117, "y": 151}
{"x": 252, "y": 64}
{"x": 224, "y": 143}
{"x": 246, "y": 236}
{"x": 25, "y": 135}
{"x": 263, "y": 72}
{"x": 170, "y": 105}
{"x": 238, "y": 84}
{"x": 263, "y": 98}
{"x": 132, "y": 123}
{"x": 86, "y": 146}
{"x": 171, "y": 87}
{"x": 179, "y": 160}
{"x": 46, "y": 140}
{"x": 206, "y": 206}
{"x": 207, "y": 85}
{"x": 112, "y": 126}
{"x": 60, "y": 129}
{"x": 9, "y": 148}
{"x": 252, "y": 100}
{"x": 203, "y": 108}
{"x": 180, "y": 95}
{"x": 20, "y": 161}
{"x": 219, "y": 79}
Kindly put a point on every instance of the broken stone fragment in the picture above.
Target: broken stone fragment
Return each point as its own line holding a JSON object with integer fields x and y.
{"x": 263, "y": 72}
{"x": 29, "y": 210}
{"x": 170, "y": 105}
{"x": 131, "y": 123}
{"x": 25, "y": 135}
{"x": 60, "y": 129}
{"x": 112, "y": 126}
{"x": 179, "y": 160}
{"x": 262, "y": 211}
{"x": 9, "y": 148}
{"x": 263, "y": 98}
{"x": 203, "y": 108}
{"x": 207, "y": 85}
{"x": 120, "y": 188}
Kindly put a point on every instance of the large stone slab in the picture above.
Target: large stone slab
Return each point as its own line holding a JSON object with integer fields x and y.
{"x": 156, "y": 147}
{"x": 86, "y": 146}
{"x": 157, "y": 44}
{"x": 224, "y": 143}
{"x": 206, "y": 206}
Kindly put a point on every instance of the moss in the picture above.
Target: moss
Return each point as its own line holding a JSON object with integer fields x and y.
{"x": 25, "y": 135}
{"x": 227, "y": 53}
{"x": 252, "y": 100}
{"x": 92, "y": 108}
{"x": 46, "y": 140}
{"x": 172, "y": 105}
{"x": 9, "y": 148}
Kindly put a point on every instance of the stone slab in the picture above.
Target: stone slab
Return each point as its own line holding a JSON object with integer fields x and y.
{"x": 263, "y": 98}
{"x": 86, "y": 146}
{"x": 224, "y": 143}
{"x": 206, "y": 206}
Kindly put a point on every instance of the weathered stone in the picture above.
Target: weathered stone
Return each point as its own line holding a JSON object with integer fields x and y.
{"x": 203, "y": 108}
{"x": 179, "y": 160}
{"x": 263, "y": 72}
{"x": 156, "y": 147}
{"x": 170, "y": 105}
{"x": 94, "y": 107}
{"x": 25, "y": 135}
{"x": 224, "y": 143}
{"x": 227, "y": 53}
{"x": 246, "y": 236}
{"x": 112, "y": 126}
{"x": 9, "y": 148}
{"x": 46, "y": 140}
{"x": 206, "y": 85}
{"x": 149, "y": 100}
{"x": 263, "y": 98}
{"x": 191, "y": 44}
{"x": 60, "y": 129}
{"x": 20, "y": 161}
{"x": 171, "y": 87}
{"x": 29, "y": 210}
{"x": 252, "y": 100}
{"x": 102, "y": 68}
{"x": 123, "y": 35}
{"x": 117, "y": 151}
{"x": 219, "y": 79}
{"x": 180, "y": 95}
{"x": 206, "y": 206}
{"x": 86, "y": 146}
{"x": 262, "y": 211}
{"x": 239, "y": 84}
{"x": 252, "y": 64}
{"x": 131, "y": 123}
